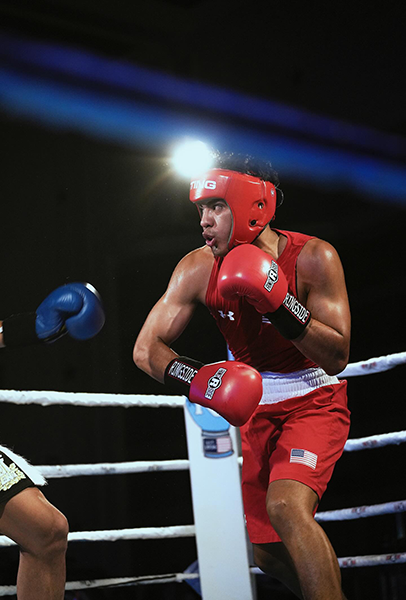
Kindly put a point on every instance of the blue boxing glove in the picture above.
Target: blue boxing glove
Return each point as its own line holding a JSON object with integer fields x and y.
{"x": 74, "y": 308}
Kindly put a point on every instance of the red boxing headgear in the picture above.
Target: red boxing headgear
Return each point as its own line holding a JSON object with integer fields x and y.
{"x": 251, "y": 200}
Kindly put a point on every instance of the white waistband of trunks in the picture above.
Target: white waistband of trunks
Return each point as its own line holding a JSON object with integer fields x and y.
{"x": 282, "y": 386}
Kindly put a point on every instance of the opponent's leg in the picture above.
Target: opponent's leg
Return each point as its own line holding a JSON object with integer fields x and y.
{"x": 41, "y": 532}
{"x": 290, "y": 507}
{"x": 275, "y": 560}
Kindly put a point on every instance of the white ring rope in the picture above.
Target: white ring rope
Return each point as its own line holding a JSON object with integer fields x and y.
{"x": 375, "y": 441}
{"x": 114, "y": 535}
{"x": 141, "y": 580}
{"x": 142, "y": 466}
{"x": 347, "y": 562}
{"x": 8, "y": 590}
{"x": 177, "y": 531}
{"x": 147, "y": 533}
{"x": 372, "y": 560}
{"x": 144, "y": 533}
{"x": 146, "y": 466}
{"x": 46, "y": 398}
{"x": 358, "y": 512}
{"x": 374, "y": 365}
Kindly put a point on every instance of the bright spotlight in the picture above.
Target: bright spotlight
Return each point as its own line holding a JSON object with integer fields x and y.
{"x": 192, "y": 158}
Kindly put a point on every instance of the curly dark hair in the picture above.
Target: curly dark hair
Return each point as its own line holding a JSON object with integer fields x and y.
{"x": 245, "y": 163}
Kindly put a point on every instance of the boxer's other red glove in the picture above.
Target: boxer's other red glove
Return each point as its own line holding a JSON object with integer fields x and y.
{"x": 233, "y": 389}
{"x": 249, "y": 272}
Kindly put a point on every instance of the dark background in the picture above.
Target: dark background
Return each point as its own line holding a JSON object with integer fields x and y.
{"x": 80, "y": 206}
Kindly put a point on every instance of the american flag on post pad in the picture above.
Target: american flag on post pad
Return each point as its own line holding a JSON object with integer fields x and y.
{"x": 303, "y": 457}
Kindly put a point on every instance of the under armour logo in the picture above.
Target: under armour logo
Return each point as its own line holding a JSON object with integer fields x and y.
{"x": 229, "y": 314}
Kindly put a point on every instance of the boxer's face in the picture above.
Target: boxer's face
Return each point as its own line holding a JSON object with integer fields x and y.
{"x": 216, "y": 222}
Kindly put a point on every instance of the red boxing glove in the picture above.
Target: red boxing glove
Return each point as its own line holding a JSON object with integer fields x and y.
{"x": 233, "y": 389}
{"x": 249, "y": 272}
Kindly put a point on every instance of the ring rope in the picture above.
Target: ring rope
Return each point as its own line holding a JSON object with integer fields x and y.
{"x": 177, "y": 531}
{"x": 141, "y": 580}
{"x": 147, "y": 466}
{"x": 8, "y": 590}
{"x": 114, "y": 535}
{"x": 46, "y": 398}
{"x": 372, "y": 560}
{"x": 358, "y": 512}
{"x": 374, "y": 365}
{"x": 375, "y": 441}
{"x": 142, "y": 466}
{"x": 346, "y": 562}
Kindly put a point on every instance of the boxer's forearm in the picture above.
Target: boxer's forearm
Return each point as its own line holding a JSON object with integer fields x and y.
{"x": 325, "y": 346}
{"x": 152, "y": 357}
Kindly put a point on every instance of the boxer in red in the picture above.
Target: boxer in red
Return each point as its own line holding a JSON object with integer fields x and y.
{"x": 279, "y": 299}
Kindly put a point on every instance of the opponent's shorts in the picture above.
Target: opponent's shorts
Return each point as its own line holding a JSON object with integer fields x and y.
{"x": 16, "y": 474}
{"x": 300, "y": 438}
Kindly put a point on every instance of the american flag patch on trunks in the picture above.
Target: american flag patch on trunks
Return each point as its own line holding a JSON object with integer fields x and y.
{"x": 303, "y": 457}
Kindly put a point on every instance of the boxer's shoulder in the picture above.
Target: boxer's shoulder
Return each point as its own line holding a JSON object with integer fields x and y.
{"x": 200, "y": 258}
{"x": 192, "y": 273}
{"x": 198, "y": 261}
{"x": 318, "y": 261}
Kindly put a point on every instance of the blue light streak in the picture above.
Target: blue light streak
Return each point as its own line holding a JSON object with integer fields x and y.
{"x": 133, "y": 119}
{"x": 120, "y": 75}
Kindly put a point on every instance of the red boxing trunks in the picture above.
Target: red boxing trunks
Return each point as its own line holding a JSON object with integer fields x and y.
{"x": 300, "y": 439}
